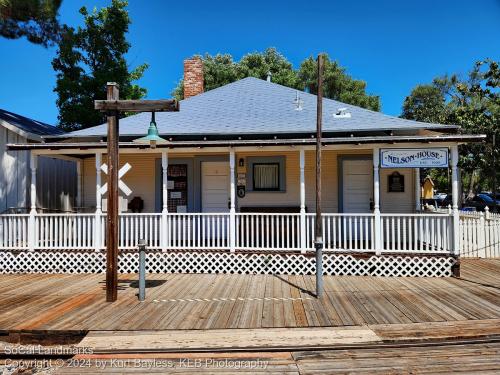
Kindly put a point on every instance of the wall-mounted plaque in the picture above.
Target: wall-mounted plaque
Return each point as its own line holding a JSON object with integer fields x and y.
{"x": 176, "y": 195}
{"x": 240, "y": 191}
{"x": 396, "y": 183}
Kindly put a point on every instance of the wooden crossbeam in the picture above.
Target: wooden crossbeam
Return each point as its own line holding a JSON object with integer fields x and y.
{"x": 161, "y": 105}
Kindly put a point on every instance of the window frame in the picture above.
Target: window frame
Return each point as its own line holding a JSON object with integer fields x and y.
{"x": 266, "y": 189}
{"x": 280, "y": 160}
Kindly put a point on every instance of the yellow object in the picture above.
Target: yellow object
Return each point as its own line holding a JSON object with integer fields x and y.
{"x": 428, "y": 188}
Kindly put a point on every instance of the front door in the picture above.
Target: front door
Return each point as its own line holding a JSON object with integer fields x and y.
{"x": 214, "y": 186}
{"x": 357, "y": 178}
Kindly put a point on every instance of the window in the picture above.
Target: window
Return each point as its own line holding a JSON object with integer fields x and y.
{"x": 266, "y": 176}
{"x": 266, "y": 173}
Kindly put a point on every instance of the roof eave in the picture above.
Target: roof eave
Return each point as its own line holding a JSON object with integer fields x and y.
{"x": 458, "y": 138}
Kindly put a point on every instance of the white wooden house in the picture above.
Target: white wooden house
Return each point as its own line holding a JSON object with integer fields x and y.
{"x": 232, "y": 190}
{"x": 56, "y": 177}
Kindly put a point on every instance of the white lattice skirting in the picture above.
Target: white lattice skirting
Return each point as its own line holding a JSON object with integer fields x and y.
{"x": 221, "y": 262}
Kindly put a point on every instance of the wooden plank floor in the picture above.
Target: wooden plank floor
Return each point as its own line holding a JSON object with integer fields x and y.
{"x": 181, "y": 301}
{"x": 443, "y": 358}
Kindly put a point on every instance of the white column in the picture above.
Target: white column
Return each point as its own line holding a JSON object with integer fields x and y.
{"x": 79, "y": 183}
{"x": 303, "y": 240}
{"x": 32, "y": 218}
{"x": 418, "y": 190}
{"x": 164, "y": 192}
{"x": 376, "y": 201}
{"x": 98, "y": 202}
{"x": 454, "y": 197}
{"x": 232, "y": 211}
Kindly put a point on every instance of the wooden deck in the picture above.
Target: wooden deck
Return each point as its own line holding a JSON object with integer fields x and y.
{"x": 443, "y": 358}
{"x": 209, "y": 301}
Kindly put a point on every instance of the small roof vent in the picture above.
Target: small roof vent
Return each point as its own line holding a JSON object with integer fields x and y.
{"x": 342, "y": 113}
{"x": 298, "y": 102}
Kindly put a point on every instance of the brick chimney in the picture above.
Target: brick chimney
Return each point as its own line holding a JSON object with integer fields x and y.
{"x": 193, "y": 77}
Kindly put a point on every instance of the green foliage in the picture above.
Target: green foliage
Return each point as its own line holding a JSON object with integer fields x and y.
{"x": 87, "y": 58}
{"x": 426, "y": 103}
{"x": 337, "y": 84}
{"x": 37, "y": 20}
{"x": 220, "y": 70}
{"x": 473, "y": 103}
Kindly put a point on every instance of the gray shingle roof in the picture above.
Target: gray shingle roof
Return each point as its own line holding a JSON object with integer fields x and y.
{"x": 254, "y": 106}
{"x": 29, "y": 125}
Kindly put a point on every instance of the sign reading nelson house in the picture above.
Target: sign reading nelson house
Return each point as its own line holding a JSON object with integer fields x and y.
{"x": 414, "y": 158}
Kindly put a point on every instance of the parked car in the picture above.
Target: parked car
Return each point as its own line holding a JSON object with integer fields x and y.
{"x": 491, "y": 195}
{"x": 480, "y": 201}
{"x": 440, "y": 196}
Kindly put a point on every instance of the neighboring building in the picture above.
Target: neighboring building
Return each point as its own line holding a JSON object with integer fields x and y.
{"x": 56, "y": 182}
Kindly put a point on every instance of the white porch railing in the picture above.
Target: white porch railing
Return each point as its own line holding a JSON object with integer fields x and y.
{"x": 64, "y": 231}
{"x": 417, "y": 233}
{"x": 197, "y": 231}
{"x": 14, "y": 231}
{"x": 480, "y": 235}
{"x": 352, "y": 232}
{"x": 399, "y": 233}
{"x": 263, "y": 231}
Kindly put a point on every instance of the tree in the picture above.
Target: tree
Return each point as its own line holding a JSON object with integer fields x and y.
{"x": 473, "y": 103}
{"x": 37, "y": 20}
{"x": 220, "y": 70}
{"x": 425, "y": 103}
{"x": 337, "y": 84}
{"x": 87, "y": 58}
{"x": 259, "y": 65}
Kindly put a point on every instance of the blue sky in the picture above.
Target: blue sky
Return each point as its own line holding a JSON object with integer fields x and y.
{"x": 392, "y": 45}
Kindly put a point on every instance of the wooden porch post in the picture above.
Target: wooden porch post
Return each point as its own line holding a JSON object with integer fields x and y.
{"x": 98, "y": 202}
{"x": 164, "y": 190}
{"x": 32, "y": 219}
{"x": 454, "y": 196}
{"x": 417, "y": 190}
{"x": 112, "y": 209}
{"x": 79, "y": 183}
{"x": 232, "y": 210}
{"x": 318, "y": 243}
{"x": 112, "y": 106}
{"x": 303, "y": 242}
{"x": 376, "y": 201}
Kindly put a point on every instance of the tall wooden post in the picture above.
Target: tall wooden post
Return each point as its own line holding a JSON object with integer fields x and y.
{"x": 112, "y": 215}
{"x": 494, "y": 174}
{"x": 318, "y": 243}
{"x": 232, "y": 202}
{"x": 418, "y": 189}
{"x": 32, "y": 217}
{"x": 164, "y": 190}
{"x": 302, "y": 162}
{"x": 376, "y": 201}
{"x": 98, "y": 203}
{"x": 454, "y": 199}
{"x": 112, "y": 106}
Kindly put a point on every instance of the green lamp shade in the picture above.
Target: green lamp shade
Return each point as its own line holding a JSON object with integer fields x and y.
{"x": 153, "y": 138}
